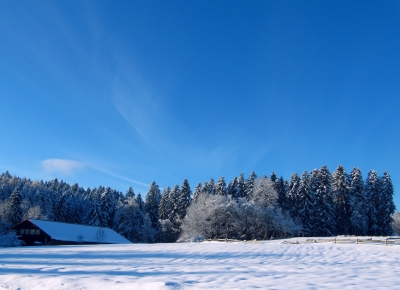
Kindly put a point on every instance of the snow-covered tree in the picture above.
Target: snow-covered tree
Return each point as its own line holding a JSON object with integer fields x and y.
{"x": 108, "y": 202}
{"x": 15, "y": 211}
{"x": 184, "y": 199}
{"x": 241, "y": 186}
{"x": 197, "y": 190}
{"x": 386, "y": 207}
{"x": 324, "y": 222}
{"x": 164, "y": 210}
{"x": 220, "y": 187}
{"x": 231, "y": 188}
{"x": 174, "y": 197}
{"x": 373, "y": 198}
{"x": 209, "y": 187}
{"x": 341, "y": 193}
{"x": 130, "y": 193}
{"x": 281, "y": 189}
{"x": 358, "y": 205}
{"x": 249, "y": 184}
{"x": 130, "y": 220}
{"x": 292, "y": 195}
{"x": 305, "y": 204}
{"x": 263, "y": 193}
{"x": 152, "y": 204}
{"x": 94, "y": 217}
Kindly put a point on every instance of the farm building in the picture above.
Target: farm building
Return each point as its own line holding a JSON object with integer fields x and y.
{"x": 33, "y": 231}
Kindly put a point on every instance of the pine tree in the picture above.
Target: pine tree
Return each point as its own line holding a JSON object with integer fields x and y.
{"x": 130, "y": 220}
{"x": 184, "y": 200}
{"x": 210, "y": 186}
{"x": 249, "y": 184}
{"x": 231, "y": 189}
{"x": 152, "y": 204}
{"x": 140, "y": 202}
{"x": 197, "y": 191}
{"x": 94, "y": 217}
{"x": 241, "y": 187}
{"x": 220, "y": 187}
{"x": 281, "y": 189}
{"x": 130, "y": 193}
{"x": 386, "y": 207}
{"x": 15, "y": 210}
{"x": 341, "y": 192}
{"x": 358, "y": 206}
{"x": 174, "y": 200}
{"x": 108, "y": 203}
{"x": 373, "y": 197}
{"x": 305, "y": 204}
{"x": 292, "y": 198}
{"x": 325, "y": 222}
{"x": 165, "y": 207}
{"x": 273, "y": 178}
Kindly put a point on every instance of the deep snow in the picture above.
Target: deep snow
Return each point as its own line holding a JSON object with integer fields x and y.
{"x": 268, "y": 265}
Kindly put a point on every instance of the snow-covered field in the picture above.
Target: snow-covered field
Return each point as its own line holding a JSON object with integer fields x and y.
{"x": 209, "y": 265}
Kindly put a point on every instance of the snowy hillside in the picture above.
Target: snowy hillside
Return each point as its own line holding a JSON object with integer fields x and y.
{"x": 207, "y": 265}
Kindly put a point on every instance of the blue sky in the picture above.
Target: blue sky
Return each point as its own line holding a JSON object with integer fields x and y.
{"x": 123, "y": 93}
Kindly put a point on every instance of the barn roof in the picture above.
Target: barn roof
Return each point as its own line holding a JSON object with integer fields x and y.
{"x": 74, "y": 232}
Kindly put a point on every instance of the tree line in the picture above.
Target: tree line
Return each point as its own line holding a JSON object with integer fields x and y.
{"x": 317, "y": 203}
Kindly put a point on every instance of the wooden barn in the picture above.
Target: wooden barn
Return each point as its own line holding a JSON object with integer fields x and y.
{"x": 33, "y": 232}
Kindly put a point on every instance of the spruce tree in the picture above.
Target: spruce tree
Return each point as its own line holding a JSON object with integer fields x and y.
{"x": 325, "y": 222}
{"x": 184, "y": 200}
{"x": 140, "y": 202}
{"x": 152, "y": 204}
{"x": 305, "y": 204}
{"x": 231, "y": 189}
{"x": 386, "y": 207}
{"x": 220, "y": 187}
{"x": 197, "y": 191}
{"x": 174, "y": 201}
{"x": 373, "y": 197}
{"x": 358, "y": 206}
{"x": 108, "y": 203}
{"x": 241, "y": 186}
{"x": 292, "y": 195}
{"x": 15, "y": 210}
{"x": 341, "y": 192}
{"x": 281, "y": 189}
{"x": 130, "y": 193}
{"x": 249, "y": 184}
{"x": 94, "y": 217}
{"x": 211, "y": 186}
{"x": 164, "y": 209}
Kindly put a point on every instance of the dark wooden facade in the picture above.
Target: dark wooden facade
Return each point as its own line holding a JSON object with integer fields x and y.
{"x": 31, "y": 234}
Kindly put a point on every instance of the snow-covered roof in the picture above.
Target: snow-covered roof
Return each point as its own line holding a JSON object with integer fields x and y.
{"x": 79, "y": 233}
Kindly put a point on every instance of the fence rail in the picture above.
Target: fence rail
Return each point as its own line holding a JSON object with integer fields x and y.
{"x": 350, "y": 240}
{"x": 336, "y": 240}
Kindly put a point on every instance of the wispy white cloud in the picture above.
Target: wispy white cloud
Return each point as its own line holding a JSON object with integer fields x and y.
{"x": 145, "y": 108}
{"x": 65, "y": 166}
{"x": 100, "y": 169}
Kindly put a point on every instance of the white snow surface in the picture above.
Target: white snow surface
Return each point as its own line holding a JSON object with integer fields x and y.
{"x": 207, "y": 265}
{"x": 71, "y": 232}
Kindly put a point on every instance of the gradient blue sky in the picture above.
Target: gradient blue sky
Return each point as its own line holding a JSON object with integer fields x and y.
{"x": 121, "y": 93}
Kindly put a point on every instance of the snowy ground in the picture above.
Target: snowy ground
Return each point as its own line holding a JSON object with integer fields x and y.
{"x": 202, "y": 265}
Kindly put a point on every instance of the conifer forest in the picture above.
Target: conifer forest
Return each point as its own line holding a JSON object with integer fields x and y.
{"x": 316, "y": 203}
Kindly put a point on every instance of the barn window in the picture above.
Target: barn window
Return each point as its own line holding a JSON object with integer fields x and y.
{"x": 22, "y": 231}
{"x": 32, "y": 231}
{"x": 37, "y": 232}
